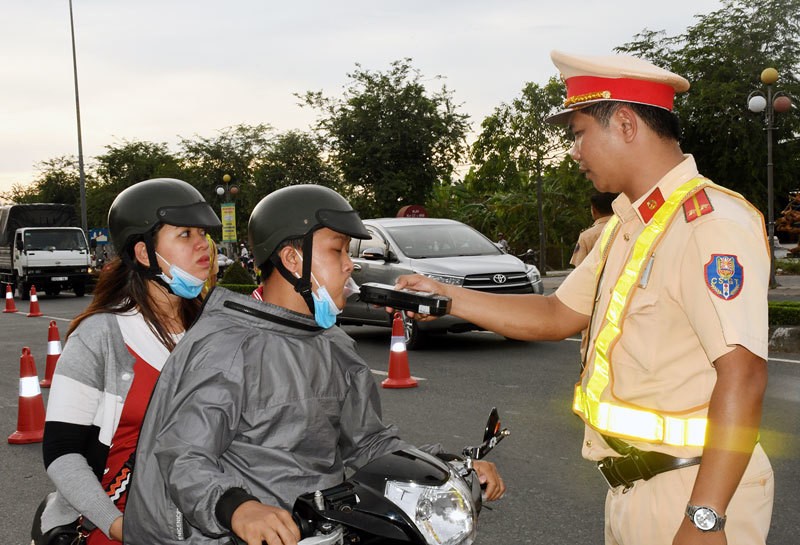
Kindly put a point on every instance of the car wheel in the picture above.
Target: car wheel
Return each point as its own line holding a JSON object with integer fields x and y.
{"x": 414, "y": 337}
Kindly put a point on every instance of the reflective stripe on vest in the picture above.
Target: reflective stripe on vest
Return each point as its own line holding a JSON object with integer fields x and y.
{"x": 616, "y": 418}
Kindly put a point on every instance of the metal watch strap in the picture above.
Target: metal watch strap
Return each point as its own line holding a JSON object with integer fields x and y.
{"x": 719, "y": 523}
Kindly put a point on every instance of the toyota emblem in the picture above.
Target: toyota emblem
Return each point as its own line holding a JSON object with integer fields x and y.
{"x": 499, "y": 279}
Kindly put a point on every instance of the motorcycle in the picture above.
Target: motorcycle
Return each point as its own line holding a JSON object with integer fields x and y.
{"x": 407, "y": 497}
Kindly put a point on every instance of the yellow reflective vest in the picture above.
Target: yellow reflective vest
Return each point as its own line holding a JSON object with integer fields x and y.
{"x": 615, "y": 417}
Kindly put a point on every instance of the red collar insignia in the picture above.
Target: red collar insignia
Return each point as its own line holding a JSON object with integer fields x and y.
{"x": 651, "y": 205}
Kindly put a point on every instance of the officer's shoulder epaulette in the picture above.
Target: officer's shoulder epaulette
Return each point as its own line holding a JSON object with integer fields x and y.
{"x": 697, "y": 205}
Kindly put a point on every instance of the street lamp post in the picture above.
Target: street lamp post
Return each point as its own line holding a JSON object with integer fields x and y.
{"x": 84, "y": 222}
{"x": 227, "y": 193}
{"x": 770, "y": 103}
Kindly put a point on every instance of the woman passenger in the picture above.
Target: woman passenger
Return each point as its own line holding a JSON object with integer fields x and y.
{"x": 143, "y": 303}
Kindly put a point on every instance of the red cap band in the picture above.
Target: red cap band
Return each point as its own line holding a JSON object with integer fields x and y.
{"x": 585, "y": 88}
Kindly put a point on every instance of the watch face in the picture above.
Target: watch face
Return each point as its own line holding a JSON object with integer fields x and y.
{"x": 704, "y": 518}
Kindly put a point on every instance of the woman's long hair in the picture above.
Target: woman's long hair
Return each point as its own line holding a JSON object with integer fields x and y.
{"x": 122, "y": 288}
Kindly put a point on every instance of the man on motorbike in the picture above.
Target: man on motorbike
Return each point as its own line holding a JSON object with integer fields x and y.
{"x": 264, "y": 401}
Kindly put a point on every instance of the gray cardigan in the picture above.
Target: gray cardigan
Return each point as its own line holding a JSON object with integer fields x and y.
{"x": 94, "y": 365}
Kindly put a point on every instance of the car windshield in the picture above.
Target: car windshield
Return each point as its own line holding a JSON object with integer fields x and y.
{"x": 54, "y": 239}
{"x": 441, "y": 240}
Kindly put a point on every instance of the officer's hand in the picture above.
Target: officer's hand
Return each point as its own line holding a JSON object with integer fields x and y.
{"x": 418, "y": 282}
{"x": 688, "y": 534}
{"x": 255, "y": 522}
{"x": 488, "y": 475}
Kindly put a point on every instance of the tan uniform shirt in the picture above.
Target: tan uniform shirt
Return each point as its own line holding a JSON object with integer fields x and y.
{"x": 587, "y": 239}
{"x": 680, "y": 322}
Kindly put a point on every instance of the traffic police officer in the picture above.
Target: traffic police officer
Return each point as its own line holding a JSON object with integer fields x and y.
{"x": 675, "y": 298}
{"x": 600, "y": 204}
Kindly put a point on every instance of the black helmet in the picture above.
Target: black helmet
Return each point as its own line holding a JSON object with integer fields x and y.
{"x": 141, "y": 207}
{"x": 296, "y": 211}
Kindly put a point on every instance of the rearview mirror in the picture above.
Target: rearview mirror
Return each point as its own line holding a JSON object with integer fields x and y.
{"x": 373, "y": 253}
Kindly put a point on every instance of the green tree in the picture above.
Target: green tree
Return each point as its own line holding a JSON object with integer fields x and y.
{"x": 519, "y": 162}
{"x": 722, "y": 55}
{"x": 123, "y": 165}
{"x": 515, "y": 143}
{"x": 58, "y": 181}
{"x": 237, "y": 151}
{"x": 391, "y": 138}
{"x": 293, "y": 157}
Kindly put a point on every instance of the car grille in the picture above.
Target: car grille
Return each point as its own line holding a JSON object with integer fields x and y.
{"x": 515, "y": 282}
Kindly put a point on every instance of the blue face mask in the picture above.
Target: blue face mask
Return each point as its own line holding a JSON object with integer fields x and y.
{"x": 325, "y": 309}
{"x": 182, "y": 283}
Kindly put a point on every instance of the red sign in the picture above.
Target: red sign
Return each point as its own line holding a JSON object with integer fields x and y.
{"x": 412, "y": 211}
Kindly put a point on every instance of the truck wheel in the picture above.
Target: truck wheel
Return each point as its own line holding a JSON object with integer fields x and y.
{"x": 24, "y": 290}
{"x": 79, "y": 289}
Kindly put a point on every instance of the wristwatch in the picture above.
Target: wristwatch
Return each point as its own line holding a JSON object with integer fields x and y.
{"x": 705, "y": 518}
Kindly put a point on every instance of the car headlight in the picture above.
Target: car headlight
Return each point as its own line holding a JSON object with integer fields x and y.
{"x": 533, "y": 274}
{"x": 445, "y": 279}
{"x": 444, "y": 514}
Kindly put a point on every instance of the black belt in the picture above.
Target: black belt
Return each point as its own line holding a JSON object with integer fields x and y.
{"x": 639, "y": 464}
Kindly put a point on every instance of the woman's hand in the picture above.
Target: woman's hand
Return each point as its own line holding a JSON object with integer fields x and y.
{"x": 115, "y": 532}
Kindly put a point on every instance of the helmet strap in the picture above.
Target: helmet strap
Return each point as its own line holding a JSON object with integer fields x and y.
{"x": 301, "y": 285}
{"x": 152, "y": 271}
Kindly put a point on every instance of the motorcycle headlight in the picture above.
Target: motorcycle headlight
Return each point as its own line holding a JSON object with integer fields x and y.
{"x": 444, "y": 514}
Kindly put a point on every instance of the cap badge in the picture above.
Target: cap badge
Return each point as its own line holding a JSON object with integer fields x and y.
{"x": 724, "y": 276}
{"x": 586, "y": 97}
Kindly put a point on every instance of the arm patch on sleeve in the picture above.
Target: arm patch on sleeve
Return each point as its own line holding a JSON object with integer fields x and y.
{"x": 724, "y": 276}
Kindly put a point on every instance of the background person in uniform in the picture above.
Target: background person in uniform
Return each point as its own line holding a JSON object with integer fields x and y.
{"x": 116, "y": 348}
{"x": 675, "y": 298}
{"x": 600, "y": 204}
{"x": 264, "y": 401}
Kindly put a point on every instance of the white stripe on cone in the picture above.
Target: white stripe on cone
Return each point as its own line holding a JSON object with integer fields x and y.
{"x": 53, "y": 348}
{"x": 29, "y": 387}
{"x": 398, "y": 344}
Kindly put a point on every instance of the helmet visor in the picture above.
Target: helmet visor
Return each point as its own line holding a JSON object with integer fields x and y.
{"x": 345, "y": 222}
{"x": 199, "y": 214}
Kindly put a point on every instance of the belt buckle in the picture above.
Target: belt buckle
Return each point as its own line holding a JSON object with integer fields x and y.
{"x": 605, "y": 465}
{"x": 600, "y": 467}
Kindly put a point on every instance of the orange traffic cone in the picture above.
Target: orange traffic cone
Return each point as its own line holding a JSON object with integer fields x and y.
{"x": 399, "y": 375}
{"x": 53, "y": 352}
{"x": 30, "y": 411}
{"x": 10, "y": 306}
{"x": 34, "y": 304}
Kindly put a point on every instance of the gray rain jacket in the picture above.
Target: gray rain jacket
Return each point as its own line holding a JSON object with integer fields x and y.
{"x": 253, "y": 397}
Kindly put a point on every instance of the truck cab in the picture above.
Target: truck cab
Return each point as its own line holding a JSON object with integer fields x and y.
{"x": 42, "y": 245}
{"x": 53, "y": 259}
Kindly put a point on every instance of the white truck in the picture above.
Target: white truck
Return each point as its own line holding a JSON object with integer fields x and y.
{"x": 42, "y": 244}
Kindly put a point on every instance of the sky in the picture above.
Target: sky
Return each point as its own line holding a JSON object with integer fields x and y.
{"x": 157, "y": 70}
